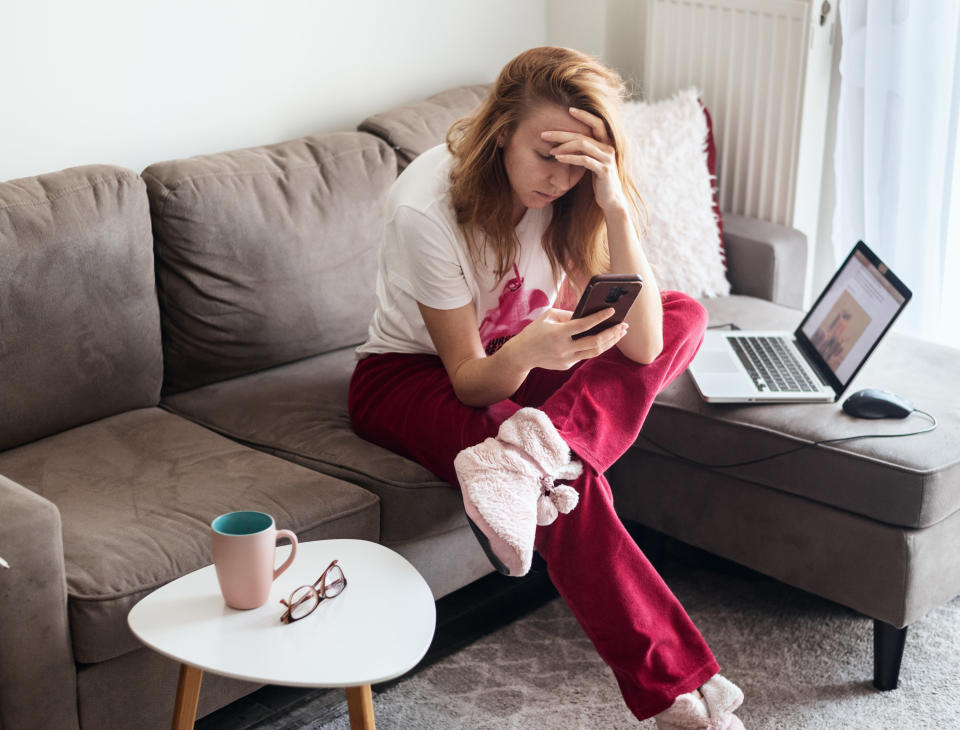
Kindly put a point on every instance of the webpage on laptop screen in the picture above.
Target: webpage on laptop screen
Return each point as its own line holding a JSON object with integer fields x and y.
{"x": 852, "y": 316}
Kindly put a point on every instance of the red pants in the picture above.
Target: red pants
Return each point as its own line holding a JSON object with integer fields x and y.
{"x": 406, "y": 403}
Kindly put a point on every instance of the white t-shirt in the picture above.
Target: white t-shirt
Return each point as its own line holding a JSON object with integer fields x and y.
{"x": 425, "y": 259}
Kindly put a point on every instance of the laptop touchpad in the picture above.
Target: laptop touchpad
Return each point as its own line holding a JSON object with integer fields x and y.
{"x": 714, "y": 361}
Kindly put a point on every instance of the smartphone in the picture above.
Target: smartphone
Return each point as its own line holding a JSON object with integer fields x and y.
{"x": 607, "y": 290}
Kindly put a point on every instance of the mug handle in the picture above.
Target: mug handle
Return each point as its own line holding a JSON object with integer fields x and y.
{"x": 293, "y": 551}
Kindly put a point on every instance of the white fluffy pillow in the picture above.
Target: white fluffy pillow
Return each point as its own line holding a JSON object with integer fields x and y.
{"x": 669, "y": 152}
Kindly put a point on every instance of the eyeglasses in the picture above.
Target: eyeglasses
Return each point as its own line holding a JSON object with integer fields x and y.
{"x": 305, "y": 599}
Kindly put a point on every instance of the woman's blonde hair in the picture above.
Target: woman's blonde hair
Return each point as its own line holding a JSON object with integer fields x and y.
{"x": 576, "y": 239}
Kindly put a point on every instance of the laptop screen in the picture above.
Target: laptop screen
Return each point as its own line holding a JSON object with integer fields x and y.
{"x": 851, "y": 316}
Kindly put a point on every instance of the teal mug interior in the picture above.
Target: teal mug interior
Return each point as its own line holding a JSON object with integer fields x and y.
{"x": 242, "y": 523}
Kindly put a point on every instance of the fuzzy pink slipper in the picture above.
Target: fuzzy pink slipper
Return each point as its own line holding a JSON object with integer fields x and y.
{"x": 711, "y": 708}
{"x": 508, "y": 487}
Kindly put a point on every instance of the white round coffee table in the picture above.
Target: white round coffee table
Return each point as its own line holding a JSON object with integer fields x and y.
{"x": 377, "y": 629}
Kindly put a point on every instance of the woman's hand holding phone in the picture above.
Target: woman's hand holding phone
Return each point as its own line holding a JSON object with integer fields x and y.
{"x": 550, "y": 341}
{"x": 604, "y": 291}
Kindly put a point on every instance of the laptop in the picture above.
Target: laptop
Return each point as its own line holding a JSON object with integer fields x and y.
{"x": 817, "y": 362}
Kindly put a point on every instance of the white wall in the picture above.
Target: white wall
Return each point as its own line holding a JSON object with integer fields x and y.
{"x": 611, "y": 30}
{"x": 130, "y": 82}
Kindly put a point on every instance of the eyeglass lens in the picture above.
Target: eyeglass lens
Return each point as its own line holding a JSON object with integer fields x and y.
{"x": 303, "y": 601}
{"x": 333, "y": 582}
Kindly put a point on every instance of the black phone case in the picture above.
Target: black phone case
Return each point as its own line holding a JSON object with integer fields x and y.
{"x": 608, "y": 290}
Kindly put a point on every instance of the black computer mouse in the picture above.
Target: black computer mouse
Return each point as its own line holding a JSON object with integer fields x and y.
{"x": 876, "y": 403}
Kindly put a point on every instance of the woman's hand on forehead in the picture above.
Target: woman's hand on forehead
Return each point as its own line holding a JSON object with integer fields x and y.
{"x": 593, "y": 153}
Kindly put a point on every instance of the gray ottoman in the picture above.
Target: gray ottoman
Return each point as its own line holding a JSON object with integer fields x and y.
{"x": 871, "y": 523}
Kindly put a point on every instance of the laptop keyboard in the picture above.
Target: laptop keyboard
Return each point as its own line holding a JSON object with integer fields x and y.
{"x": 771, "y": 364}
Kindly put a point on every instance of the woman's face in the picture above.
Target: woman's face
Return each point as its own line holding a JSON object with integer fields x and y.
{"x": 536, "y": 177}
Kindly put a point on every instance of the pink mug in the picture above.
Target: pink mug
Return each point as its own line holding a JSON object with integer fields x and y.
{"x": 244, "y": 544}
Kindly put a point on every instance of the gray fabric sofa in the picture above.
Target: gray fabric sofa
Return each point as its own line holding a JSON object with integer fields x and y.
{"x": 178, "y": 344}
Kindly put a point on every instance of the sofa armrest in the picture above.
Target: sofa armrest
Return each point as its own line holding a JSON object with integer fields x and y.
{"x": 38, "y": 678}
{"x": 765, "y": 260}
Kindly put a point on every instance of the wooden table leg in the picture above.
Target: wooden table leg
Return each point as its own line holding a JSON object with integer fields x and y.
{"x": 360, "y": 706}
{"x": 188, "y": 694}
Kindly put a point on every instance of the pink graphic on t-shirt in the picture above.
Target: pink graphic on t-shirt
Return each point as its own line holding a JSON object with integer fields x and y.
{"x": 515, "y": 309}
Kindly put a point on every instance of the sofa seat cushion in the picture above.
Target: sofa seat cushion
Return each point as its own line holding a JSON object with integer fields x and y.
{"x": 299, "y": 411}
{"x": 911, "y": 481}
{"x": 136, "y": 494}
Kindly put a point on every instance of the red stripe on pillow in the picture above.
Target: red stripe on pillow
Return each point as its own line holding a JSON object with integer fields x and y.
{"x": 712, "y": 167}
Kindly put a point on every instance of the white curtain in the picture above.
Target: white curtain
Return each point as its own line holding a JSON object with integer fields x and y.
{"x": 896, "y": 153}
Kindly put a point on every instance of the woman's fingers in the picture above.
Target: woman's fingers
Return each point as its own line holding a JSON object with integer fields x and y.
{"x": 582, "y": 324}
{"x": 595, "y": 123}
{"x": 582, "y": 151}
{"x": 590, "y": 163}
{"x": 593, "y": 153}
{"x": 599, "y": 343}
{"x": 609, "y": 337}
{"x": 573, "y": 142}
{"x": 552, "y": 337}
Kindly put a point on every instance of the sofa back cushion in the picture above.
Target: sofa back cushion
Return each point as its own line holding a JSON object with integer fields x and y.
{"x": 416, "y": 127}
{"x": 266, "y": 255}
{"x": 79, "y": 322}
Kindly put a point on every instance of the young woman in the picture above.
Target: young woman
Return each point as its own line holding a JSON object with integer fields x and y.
{"x": 471, "y": 368}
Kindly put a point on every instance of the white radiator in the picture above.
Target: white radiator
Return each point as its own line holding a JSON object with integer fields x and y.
{"x": 749, "y": 59}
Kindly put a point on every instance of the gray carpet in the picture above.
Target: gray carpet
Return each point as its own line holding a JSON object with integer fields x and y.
{"x": 802, "y": 662}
